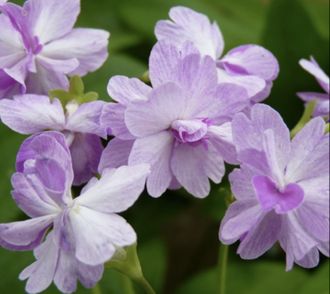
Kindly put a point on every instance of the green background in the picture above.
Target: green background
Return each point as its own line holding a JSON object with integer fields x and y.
{"x": 178, "y": 243}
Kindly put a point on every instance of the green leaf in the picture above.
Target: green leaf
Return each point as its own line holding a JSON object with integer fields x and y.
{"x": 318, "y": 282}
{"x": 257, "y": 277}
{"x": 9, "y": 145}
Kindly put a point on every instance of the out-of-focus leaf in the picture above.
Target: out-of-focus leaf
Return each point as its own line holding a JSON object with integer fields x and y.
{"x": 291, "y": 35}
{"x": 318, "y": 11}
{"x": 9, "y": 145}
{"x": 256, "y": 277}
{"x": 117, "y": 64}
{"x": 241, "y": 21}
{"x": 318, "y": 282}
{"x": 152, "y": 256}
{"x": 12, "y": 263}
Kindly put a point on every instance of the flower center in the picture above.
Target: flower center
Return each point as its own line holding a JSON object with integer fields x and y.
{"x": 271, "y": 197}
{"x": 189, "y": 131}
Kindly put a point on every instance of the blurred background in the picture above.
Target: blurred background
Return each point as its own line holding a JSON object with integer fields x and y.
{"x": 178, "y": 235}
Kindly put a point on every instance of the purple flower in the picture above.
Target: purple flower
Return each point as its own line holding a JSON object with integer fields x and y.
{"x": 323, "y": 103}
{"x": 183, "y": 129}
{"x": 30, "y": 114}
{"x": 39, "y": 46}
{"x": 281, "y": 189}
{"x": 250, "y": 66}
{"x": 85, "y": 231}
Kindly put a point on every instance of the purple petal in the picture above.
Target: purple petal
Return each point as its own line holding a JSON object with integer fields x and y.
{"x": 86, "y": 150}
{"x": 252, "y": 84}
{"x": 310, "y": 152}
{"x": 310, "y": 260}
{"x": 221, "y": 138}
{"x": 29, "y": 114}
{"x": 194, "y": 165}
{"x": 113, "y": 119}
{"x": 197, "y": 76}
{"x": 52, "y": 20}
{"x": 63, "y": 66}
{"x": 249, "y": 133}
{"x": 40, "y": 274}
{"x": 69, "y": 270}
{"x": 241, "y": 183}
{"x": 87, "y": 119}
{"x": 24, "y": 235}
{"x": 155, "y": 150}
{"x": 163, "y": 63}
{"x": 116, "y": 190}
{"x": 240, "y": 217}
{"x": 314, "y": 69}
{"x": 11, "y": 46}
{"x": 231, "y": 99}
{"x": 125, "y": 90}
{"x": 261, "y": 237}
{"x": 31, "y": 196}
{"x": 251, "y": 60}
{"x": 188, "y": 25}
{"x": 294, "y": 239}
{"x": 45, "y": 80}
{"x": 48, "y": 145}
{"x": 166, "y": 104}
{"x": 270, "y": 197}
{"x": 88, "y": 46}
{"x": 115, "y": 154}
{"x": 315, "y": 221}
{"x": 97, "y": 235}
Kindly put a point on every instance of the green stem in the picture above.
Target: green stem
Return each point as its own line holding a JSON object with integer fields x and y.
{"x": 145, "y": 285}
{"x": 309, "y": 109}
{"x": 97, "y": 289}
{"x": 222, "y": 266}
{"x": 127, "y": 285}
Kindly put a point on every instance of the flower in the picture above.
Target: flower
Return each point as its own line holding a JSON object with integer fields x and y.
{"x": 163, "y": 67}
{"x": 183, "y": 130}
{"x": 30, "y": 114}
{"x": 250, "y": 66}
{"x": 281, "y": 189}
{"x": 85, "y": 231}
{"x": 39, "y": 46}
{"x": 322, "y": 106}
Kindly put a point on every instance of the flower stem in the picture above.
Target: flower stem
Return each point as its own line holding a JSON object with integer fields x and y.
{"x": 97, "y": 289}
{"x": 127, "y": 286}
{"x": 309, "y": 109}
{"x": 145, "y": 285}
{"x": 222, "y": 267}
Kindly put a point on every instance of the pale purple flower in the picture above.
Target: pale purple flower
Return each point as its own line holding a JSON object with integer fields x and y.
{"x": 29, "y": 114}
{"x": 85, "y": 231}
{"x": 281, "y": 189}
{"x": 323, "y": 99}
{"x": 39, "y": 46}
{"x": 182, "y": 128}
{"x": 250, "y": 66}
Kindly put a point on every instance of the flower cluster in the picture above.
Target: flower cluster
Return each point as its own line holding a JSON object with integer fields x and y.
{"x": 198, "y": 112}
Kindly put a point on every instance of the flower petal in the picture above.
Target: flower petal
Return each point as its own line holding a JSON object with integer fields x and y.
{"x": 252, "y": 60}
{"x": 24, "y": 235}
{"x": 29, "y": 114}
{"x": 194, "y": 165}
{"x": 88, "y": 46}
{"x": 155, "y": 150}
{"x": 51, "y": 20}
{"x": 261, "y": 237}
{"x": 87, "y": 119}
{"x": 116, "y": 190}
{"x": 86, "y": 150}
{"x": 97, "y": 235}
{"x": 125, "y": 90}
{"x": 188, "y": 25}
{"x": 115, "y": 154}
